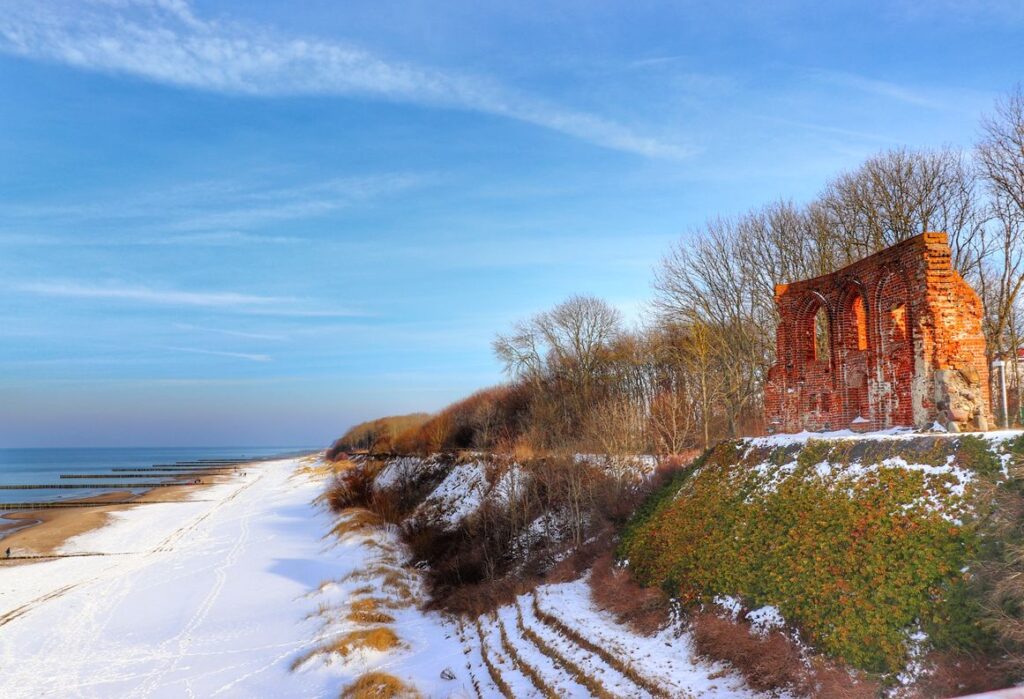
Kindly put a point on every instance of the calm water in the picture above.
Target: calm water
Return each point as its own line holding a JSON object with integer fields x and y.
{"x": 44, "y": 466}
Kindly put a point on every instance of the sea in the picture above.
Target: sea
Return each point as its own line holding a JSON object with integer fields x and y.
{"x": 45, "y": 466}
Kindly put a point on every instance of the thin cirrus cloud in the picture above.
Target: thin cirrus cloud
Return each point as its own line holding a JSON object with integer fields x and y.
{"x": 232, "y": 333}
{"x": 218, "y": 213}
{"x": 212, "y": 300}
{"x": 881, "y": 88}
{"x": 164, "y": 41}
{"x": 219, "y": 353}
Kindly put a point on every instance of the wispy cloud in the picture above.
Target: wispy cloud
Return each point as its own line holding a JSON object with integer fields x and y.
{"x": 231, "y": 333}
{"x": 147, "y": 295}
{"x": 218, "y": 353}
{"x": 213, "y": 300}
{"x": 212, "y": 213}
{"x": 218, "y": 238}
{"x": 833, "y": 130}
{"x": 165, "y": 41}
{"x": 882, "y": 88}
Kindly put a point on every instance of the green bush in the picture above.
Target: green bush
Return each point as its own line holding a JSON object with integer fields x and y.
{"x": 856, "y": 557}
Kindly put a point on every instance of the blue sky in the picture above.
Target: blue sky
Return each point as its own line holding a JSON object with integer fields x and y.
{"x": 257, "y": 223}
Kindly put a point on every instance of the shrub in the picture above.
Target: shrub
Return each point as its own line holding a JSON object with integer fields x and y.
{"x": 644, "y": 609}
{"x": 376, "y": 435}
{"x": 768, "y": 663}
{"x": 350, "y": 488}
{"x": 485, "y": 420}
{"x": 854, "y": 564}
{"x": 378, "y": 685}
{"x": 974, "y": 454}
{"x": 379, "y": 638}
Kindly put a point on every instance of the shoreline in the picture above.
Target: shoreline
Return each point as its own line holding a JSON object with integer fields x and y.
{"x": 211, "y": 596}
{"x": 35, "y": 535}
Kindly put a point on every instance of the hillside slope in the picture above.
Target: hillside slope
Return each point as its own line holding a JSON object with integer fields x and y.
{"x": 883, "y": 551}
{"x": 792, "y": 558}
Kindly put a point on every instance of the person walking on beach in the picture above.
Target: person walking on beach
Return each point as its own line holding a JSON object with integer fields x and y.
{"x": 8, "y": 552}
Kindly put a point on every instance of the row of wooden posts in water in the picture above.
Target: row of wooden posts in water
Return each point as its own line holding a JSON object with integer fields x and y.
{"x": 187, "y": 473}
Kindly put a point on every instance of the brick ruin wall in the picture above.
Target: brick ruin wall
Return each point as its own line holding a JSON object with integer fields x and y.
{"x": 902, "y": 346}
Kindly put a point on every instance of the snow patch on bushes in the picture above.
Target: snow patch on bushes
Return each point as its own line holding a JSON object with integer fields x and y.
{"x": 766, "y": 619}
{"x": 946, "y": 485}
{"x": 396, "y": 471}
{"x": 458, "y": 496}
{"x": 762, "y": 620}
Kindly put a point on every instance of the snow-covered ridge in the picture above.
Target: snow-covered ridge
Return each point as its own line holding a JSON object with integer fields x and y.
{"x": 894, "y": 433}
{"x": 464, "y": 485}
{"x": 947, "y": 486}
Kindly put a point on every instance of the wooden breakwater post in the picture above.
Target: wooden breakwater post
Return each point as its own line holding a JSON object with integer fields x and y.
{"x": 64, "y": 504}
{"x": 175, "y": 468}
{"x": 149, "y": 474}
{"x": 64, "y": 486}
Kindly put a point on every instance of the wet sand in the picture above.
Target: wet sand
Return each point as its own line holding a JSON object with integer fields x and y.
{"x": 43, "y": 532}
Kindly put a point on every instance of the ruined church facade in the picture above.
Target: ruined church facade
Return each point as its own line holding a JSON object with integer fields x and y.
{"x": 894, "y": 339}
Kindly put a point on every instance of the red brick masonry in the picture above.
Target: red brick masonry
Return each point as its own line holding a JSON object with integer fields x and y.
{"x": 904, "y": 346}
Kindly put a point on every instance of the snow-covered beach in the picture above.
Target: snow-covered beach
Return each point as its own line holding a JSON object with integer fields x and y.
{"x": 198, "y": 598}
{"x": 245, "y": 589}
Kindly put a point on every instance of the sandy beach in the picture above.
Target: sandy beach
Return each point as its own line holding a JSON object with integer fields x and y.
{"x": 207, "y": 596}
{"x": 31, "y": 534}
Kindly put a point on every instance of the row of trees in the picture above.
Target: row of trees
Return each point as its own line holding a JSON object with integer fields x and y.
{"x": 721, "y": 282}
{"x": 581, "y": 381}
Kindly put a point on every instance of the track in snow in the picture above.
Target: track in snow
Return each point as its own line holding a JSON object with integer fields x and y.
{"x": 207, "y": 599}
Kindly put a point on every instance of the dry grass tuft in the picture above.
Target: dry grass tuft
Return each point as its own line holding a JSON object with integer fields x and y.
{"x": 372, "y": 604}
{"x": 389, "y": 579}
{"x": 379, "y": 685}
{"x": 644, "y": 609}
{"x": 352, "y": 487}
{"x": 379, "y": 638}
{"x": 773, "y": 662}
{"x": 381, "y": 546}
{"x": 355, "y": 521}
{"x": 370, "y": 618}
{"x": 368, "y": 611}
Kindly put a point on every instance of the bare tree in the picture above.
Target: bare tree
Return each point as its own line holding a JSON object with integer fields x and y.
{"x": 901, "y": 193}
{"x": 563, "y": 353}
{"x": 710, "y": 283}
{"x": 1001, "y": 151}
{"x": 1000, "y": 155}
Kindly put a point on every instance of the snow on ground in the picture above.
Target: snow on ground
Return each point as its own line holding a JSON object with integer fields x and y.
{"x": 666, "y": 657}
{"x": 221, "y": 595}
{"x": 458, "y": 496}
{"x": 198, "y": 598}
{"x": 399, "y": 470}
{"x": 947, "y": 484}
{"x": 520, "y": 651}
{"x": 893, "y": 433}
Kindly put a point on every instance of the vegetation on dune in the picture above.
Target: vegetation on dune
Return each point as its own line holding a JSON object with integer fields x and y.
{"x": 379, "y": 685}
{"x": 552, "y": 516}
{"x": 859, "y": 543}
{"x": 856, "y": 553}
{"x": 375, "y": 435}
{"x": 379, "y": 639}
